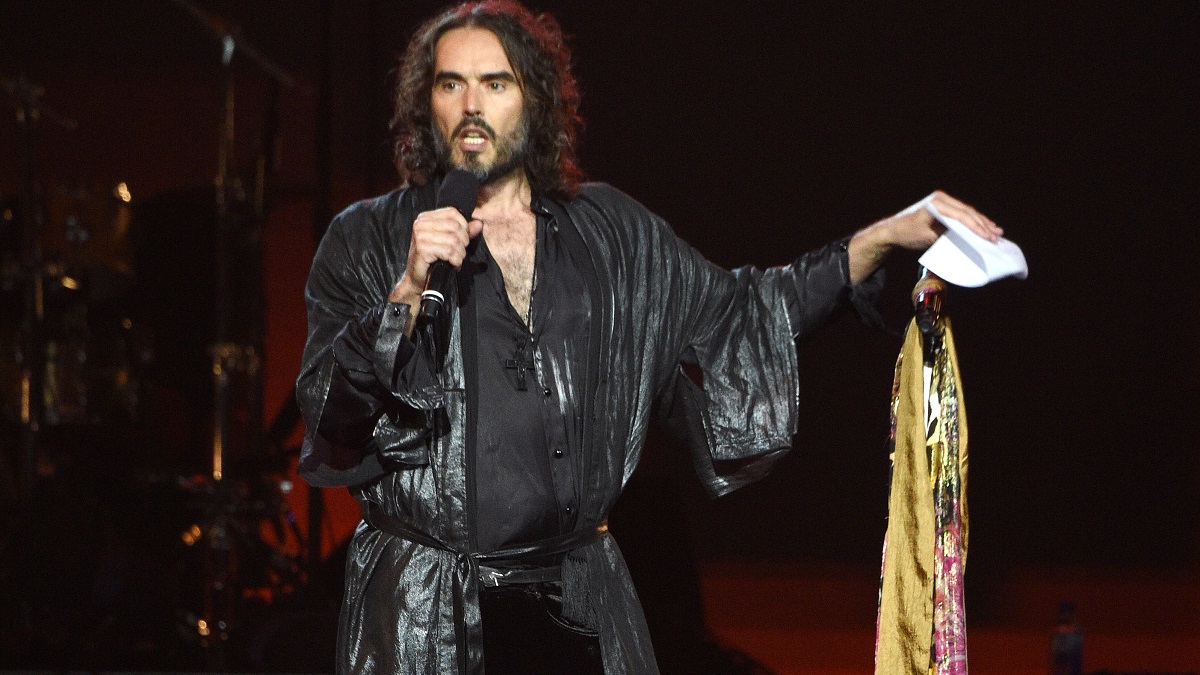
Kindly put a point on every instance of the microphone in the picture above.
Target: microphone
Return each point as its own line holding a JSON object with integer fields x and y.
{"x": 459, "y": 189}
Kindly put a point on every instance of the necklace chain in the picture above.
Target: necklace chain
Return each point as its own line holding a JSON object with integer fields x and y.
{"x": 532, "y": 290}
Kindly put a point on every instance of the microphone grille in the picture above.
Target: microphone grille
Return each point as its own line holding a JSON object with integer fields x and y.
{"x": 459, "y": 189}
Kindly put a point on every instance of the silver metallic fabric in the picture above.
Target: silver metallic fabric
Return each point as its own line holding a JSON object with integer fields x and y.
{"x": 411, "y": 608}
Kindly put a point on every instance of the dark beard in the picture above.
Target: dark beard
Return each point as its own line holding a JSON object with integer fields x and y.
{"x": 510, "y": 151}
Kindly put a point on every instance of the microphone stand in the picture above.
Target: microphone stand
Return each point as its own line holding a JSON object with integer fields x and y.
{"x": 229, "y": 357}
{"x": 927, "y": 297}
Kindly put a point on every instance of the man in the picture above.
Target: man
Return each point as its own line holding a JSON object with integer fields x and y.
{"x": 486, "y": 472}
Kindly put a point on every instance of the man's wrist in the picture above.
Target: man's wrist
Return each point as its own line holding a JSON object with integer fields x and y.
{"x": 868, "y": 248}
{"x": 406, "y": 293}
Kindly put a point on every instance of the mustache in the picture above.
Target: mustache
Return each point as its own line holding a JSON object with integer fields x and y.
{"x": 473, "y": 121}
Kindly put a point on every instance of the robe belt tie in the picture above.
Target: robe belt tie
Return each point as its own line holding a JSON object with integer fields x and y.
{"x": 473, "y": 570}
{"x": 498, "y": 573}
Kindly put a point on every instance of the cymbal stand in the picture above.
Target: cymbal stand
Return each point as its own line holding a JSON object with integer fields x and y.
{"x": 27, "y": 100}
{"x": 229, "y": 356}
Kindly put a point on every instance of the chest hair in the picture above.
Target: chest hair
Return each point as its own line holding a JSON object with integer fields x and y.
{"x": 512, "y": 243}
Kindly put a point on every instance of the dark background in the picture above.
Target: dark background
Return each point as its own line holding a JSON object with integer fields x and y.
{"x": 760, "y": 130}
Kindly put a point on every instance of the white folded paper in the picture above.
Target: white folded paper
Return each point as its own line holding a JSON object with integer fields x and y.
{"x": 966, "y": 259}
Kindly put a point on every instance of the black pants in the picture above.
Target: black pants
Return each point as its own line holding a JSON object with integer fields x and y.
{"x": 524, "y": 633}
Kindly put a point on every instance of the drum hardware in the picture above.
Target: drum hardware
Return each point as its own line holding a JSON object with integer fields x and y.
{"x": 236, "y": 565}
{"x": 74, "y": 268}
{"x": 230, "y": 356}
{"x": 89, "y": 231}
{"x": 28, "y": 105}
{"x": 228, "y": 360}
{"x": 89, "y": 368}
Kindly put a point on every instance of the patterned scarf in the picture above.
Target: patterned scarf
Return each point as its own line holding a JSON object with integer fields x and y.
{"x": 921, "y": 625}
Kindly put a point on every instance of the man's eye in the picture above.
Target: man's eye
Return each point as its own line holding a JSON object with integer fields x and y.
{"x": 450, "y": 85}
{"x": 497, "y": 86}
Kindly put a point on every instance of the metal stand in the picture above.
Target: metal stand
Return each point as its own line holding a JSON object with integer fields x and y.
{"x": 927, "y": 299}
{"x": 29, "y": 108}
{"x": 33, "y": 364}
{"x": 235, "y": 358}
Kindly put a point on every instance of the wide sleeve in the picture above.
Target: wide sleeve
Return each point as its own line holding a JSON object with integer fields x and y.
{"x": 738, "y": 410}
{"x": 364, "y": 387}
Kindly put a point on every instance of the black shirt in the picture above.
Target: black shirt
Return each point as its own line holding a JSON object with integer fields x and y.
{"x": 529, "y": 423}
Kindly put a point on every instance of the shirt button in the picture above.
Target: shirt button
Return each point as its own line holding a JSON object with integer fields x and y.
{"x": 396, "y": 311}
{"x": 569, "y": 509}
{"x": 558, "y": 453}
{"x": 546, "y": 391}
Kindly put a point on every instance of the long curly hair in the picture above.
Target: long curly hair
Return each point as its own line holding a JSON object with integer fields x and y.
{"x": 537, "y": 51}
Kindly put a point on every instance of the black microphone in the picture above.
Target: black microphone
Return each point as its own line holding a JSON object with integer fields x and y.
{"x": 460, "y": 189}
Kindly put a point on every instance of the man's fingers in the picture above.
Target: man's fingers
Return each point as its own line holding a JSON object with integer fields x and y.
{"x": 432, "y": 246}
{"x": 967, "y": 215}
{"x": 446, "y": 223}
{"x": 440, "y": 222}
{"x": 450, "y": 212}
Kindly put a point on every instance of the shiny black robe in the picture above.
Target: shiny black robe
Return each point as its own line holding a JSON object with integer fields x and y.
{"x": 398, "y": 434}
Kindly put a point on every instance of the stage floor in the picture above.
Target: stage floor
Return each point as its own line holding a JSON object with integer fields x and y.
{"x": 820, "y": 621}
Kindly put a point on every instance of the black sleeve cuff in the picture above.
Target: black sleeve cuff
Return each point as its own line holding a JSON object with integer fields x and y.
{"x": 823, "y": 289}
{"x": 358, "y": 390}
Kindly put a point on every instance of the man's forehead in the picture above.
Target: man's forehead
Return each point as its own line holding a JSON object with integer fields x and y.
{"x": 470, "y": 50}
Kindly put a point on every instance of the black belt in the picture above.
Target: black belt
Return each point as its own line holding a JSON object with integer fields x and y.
{"x": 492, "y": 565}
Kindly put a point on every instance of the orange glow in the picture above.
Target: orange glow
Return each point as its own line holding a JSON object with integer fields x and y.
{"x": 191, "y": 535}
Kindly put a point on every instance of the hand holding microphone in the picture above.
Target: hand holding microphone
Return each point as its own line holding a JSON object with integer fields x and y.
{"x": 460, "y": 190}
{"x": 439, "y": 245}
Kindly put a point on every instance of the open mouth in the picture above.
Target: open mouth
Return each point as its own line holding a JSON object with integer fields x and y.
{"x": 473, "y": 140}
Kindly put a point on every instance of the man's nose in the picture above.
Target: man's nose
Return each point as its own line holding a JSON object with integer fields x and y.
{"x": 472, "y": 101}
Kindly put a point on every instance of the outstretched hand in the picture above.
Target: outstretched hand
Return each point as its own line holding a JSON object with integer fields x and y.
{"x": 913, "y": 231}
